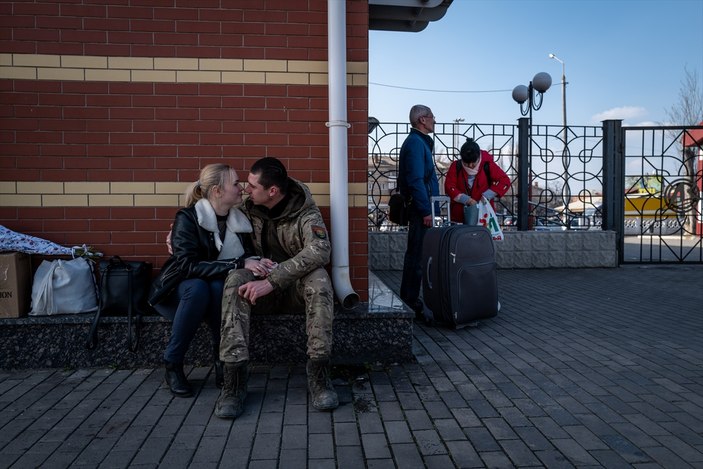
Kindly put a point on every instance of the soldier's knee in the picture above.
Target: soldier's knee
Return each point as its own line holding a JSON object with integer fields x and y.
{"x": 319, "y": 282}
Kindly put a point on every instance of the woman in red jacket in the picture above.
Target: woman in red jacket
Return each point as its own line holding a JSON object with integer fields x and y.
{"x": 474, "y": 176}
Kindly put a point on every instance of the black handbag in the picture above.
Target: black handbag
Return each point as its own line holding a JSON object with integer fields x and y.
{"x": 124, "y": 287}
{"x": 398, "y": 209}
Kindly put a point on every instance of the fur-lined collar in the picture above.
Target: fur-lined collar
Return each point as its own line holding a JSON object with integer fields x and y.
{"x": 237, "y": 222}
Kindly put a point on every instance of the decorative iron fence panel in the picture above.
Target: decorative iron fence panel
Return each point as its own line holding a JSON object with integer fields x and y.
{"x": 566, "y": 172}
{"x": 562, "y": 170}
{"x": 662, "y": 186}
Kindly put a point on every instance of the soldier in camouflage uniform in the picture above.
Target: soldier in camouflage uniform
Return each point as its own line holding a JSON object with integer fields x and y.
{"x": 288, "y": 230}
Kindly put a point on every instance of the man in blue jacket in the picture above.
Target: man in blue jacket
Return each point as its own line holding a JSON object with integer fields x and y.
{"x": 417, "y": 182}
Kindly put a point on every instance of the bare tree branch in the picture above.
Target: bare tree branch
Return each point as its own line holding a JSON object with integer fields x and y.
{"x": 689, "y": 108}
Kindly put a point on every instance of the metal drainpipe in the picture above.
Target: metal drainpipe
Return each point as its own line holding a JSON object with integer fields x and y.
{"x": 338, "y": 125}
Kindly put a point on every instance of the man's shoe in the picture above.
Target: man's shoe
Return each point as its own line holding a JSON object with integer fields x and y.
{"x": 230, "y": 403}
{"x": 419, "y": 309}
{"x": 176, "y": 380}
{"x": 323, "y": 395}
{"x": 417, "y": 306}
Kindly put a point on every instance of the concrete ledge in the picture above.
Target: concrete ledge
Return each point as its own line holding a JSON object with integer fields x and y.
{"x": 59, "y": 342}
{"x": 519, "y": 249}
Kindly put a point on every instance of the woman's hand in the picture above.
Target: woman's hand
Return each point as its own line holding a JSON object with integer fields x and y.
{"x": 471, "y": 202}
{"x": 259, "y": 267}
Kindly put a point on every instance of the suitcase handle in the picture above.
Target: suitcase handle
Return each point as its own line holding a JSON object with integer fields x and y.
{"x": 427, "y": 272}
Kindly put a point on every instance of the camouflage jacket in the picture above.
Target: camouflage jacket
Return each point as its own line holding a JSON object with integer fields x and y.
{"x": 300, "y": 231}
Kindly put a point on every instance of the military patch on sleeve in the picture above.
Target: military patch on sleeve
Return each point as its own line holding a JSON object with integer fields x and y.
{"x": 319, "y": 231}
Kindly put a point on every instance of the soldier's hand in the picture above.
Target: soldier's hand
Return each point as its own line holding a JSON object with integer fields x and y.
{"x": 255, "y": 289}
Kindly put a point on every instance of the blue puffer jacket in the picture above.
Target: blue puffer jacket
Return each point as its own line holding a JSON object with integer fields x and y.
{"x": 417, "y": 179}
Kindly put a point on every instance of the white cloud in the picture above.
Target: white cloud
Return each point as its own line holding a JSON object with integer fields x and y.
{"x": 645, "y": 124}
{"x": 624, "y": 113}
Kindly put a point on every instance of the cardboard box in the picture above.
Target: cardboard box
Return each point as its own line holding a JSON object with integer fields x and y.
{"x": 15, "y": 284}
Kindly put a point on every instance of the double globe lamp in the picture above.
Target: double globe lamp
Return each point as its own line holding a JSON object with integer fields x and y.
{"x": 526, "y": 94}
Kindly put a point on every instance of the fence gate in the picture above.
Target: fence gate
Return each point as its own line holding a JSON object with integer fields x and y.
{"x": 662, "y": 195}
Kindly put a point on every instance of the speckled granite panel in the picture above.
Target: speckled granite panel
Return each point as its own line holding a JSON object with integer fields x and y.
{"x": 522, "y": 250}
{"x": 523, "y": 241}
{"x": 505, "y": 259}
{"x": 378, "y": 261}
{"x": 378, "y": 242}
{"x": 602, "y": 240}
{"x": 556, "y": 259}
{"x": 539, "y": 259}
{"x": 521, "y": 259}
{"x": 574, "y": 243}
{"x": 606, "y": 258}
{"x": 507, "y": 244}
{"x": 397, "y": 242}
{"x": 541, "y": 243}
{"x": 396, "y": 261}
{"x": 59, "y": 342}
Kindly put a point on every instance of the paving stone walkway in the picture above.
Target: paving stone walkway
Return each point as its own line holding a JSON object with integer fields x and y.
{"x": 582, "y": 368}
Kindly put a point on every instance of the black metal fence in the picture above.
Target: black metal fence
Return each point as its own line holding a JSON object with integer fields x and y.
{"x": 642, "y": 182}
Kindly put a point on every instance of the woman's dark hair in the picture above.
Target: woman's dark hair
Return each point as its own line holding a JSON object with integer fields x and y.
{"x": 470, "y": 151}
{"x": 271, "y": 173}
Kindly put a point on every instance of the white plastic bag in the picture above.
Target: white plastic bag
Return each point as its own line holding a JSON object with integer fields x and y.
{"x": 487, "y": 217}
{"x": 64, "y": 287}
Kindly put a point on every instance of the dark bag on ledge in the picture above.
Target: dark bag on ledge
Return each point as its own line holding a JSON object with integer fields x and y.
{"x": 124, "y": 287}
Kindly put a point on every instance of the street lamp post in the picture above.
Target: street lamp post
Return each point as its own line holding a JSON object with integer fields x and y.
{"x": 528, "y": 97}
{"x": 563, "y": 87}
{"x": 565, "y": 151}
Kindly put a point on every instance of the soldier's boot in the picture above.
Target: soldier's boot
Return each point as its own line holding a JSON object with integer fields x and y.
{"x": 219, "y": 366}
{"x": 323, "y": 395}
{"x": 219, "y": 373}
{"x": 230, "y": 403}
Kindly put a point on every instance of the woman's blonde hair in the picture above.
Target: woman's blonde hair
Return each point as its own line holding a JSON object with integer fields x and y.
{"x": 216, "y": 174}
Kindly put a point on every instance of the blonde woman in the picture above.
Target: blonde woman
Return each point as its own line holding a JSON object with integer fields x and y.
{"x": 209, "y": 237}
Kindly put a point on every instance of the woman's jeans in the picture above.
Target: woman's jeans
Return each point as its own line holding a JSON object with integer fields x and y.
{"x": 195, "y": 300}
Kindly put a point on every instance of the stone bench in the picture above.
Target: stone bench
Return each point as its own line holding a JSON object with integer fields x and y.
{"x": 379, "y": 331}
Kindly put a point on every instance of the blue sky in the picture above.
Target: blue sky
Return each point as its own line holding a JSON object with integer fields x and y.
{"x": 624, "y": 59}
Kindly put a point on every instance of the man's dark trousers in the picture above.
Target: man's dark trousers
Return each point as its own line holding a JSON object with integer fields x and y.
{"x": 412, "y": 264}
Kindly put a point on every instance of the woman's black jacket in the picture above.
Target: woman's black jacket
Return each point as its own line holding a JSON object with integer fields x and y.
{"x": 194, "y": 256}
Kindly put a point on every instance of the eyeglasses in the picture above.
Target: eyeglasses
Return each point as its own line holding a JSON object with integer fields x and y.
{"x": 430, "y": 116}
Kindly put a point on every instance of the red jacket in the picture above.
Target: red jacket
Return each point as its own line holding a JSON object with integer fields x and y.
{"x": 456, "y": 183}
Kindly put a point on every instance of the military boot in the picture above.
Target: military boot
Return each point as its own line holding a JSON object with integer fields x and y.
{"x": 230, "y": 403}
{"x": 324, "y": 397}
{"x": 219, "y": 373}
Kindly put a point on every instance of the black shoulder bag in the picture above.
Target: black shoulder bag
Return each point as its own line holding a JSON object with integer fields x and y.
{"x": 398, "y": 209}
{"x": 124, "y": 287}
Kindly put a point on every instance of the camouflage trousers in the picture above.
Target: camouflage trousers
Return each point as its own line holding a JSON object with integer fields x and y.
{"x": 311, "y": 294}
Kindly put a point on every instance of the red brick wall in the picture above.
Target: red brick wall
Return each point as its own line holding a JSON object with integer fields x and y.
{"x": 116, "y": 130}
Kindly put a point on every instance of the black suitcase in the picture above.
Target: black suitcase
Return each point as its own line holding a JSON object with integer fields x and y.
{"x": 460, "y": 280}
